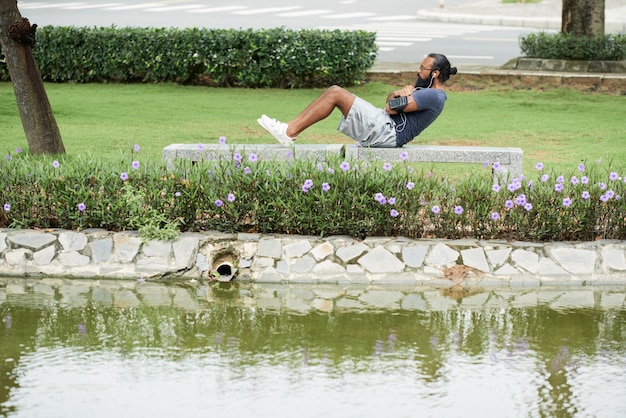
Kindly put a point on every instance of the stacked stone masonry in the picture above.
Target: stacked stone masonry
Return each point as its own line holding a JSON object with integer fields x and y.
{"x": 300, "y": 259}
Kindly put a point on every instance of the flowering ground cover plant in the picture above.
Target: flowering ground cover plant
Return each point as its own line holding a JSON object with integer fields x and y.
{"x": 245, "y": 194}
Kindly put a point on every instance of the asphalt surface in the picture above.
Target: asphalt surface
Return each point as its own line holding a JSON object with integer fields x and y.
{"x": 543, "y": 15}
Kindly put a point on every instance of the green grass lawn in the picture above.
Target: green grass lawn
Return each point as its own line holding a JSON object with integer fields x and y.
{"x": 559, "y": 127}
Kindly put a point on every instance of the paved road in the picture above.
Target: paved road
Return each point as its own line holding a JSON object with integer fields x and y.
{"x": 401, "y": 36}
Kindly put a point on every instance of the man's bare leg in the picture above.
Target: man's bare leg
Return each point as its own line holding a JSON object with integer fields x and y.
{"x": 333, "y": 97}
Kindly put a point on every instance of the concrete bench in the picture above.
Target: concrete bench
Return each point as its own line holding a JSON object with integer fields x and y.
{"x": 272, "y": 152}
{"x": 510, "y": 159}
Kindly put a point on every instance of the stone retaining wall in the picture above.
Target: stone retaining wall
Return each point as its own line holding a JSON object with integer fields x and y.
{"x": 299, "y": 259}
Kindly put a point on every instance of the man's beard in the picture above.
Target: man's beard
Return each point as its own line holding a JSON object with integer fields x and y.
{"x": 420, "y": 83}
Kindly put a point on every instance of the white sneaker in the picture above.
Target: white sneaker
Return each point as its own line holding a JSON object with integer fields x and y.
{"x": 277, "y": 129}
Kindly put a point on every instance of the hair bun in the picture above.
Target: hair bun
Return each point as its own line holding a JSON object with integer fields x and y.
{"x": 453, "y": 70}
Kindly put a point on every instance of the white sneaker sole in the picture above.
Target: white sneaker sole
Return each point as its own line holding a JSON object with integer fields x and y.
{"x": 283, "y": 141}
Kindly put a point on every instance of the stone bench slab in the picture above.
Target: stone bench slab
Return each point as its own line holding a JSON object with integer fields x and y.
{"x": 510, "y": 158}
{"x": 271, "y": 152}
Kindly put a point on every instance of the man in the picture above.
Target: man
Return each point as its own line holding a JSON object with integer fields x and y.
{"x": 398, "y": 123}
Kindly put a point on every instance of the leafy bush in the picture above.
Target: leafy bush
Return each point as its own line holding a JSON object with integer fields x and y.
{"x": 222, "y": 57}
{"x": 241, "y": 194}
{"x": 610, "y": 47}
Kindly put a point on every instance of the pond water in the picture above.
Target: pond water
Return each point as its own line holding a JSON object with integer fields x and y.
{"x": 81, "y": 348}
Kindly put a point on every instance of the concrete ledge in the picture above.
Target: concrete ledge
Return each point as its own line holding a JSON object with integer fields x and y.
{"x": 511, "y": 159}
{"x": 273, "y": 152}
{"x": 565, "y": 66}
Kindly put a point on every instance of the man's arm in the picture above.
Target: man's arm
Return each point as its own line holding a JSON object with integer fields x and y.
{"x": 405, "y": 91}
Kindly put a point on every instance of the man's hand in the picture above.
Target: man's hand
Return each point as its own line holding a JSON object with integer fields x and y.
{"x": 404, "y": 91}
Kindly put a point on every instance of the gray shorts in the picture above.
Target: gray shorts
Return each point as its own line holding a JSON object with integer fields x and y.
{"x": 369, "y": 125}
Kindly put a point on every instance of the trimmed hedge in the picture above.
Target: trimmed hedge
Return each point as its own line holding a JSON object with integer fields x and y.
{"x": 610, "y": 47}
{"x": 220, "y": 57}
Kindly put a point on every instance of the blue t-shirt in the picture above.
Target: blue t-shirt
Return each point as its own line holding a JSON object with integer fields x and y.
{"x": 429, "y": 105}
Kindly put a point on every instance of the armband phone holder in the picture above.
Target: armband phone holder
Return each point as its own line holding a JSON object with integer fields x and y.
{"x": 399, "y": 103}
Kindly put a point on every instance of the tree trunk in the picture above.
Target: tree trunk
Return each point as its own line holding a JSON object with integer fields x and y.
{"x": 17, "y": 38}
{"x": 583, "y": 17}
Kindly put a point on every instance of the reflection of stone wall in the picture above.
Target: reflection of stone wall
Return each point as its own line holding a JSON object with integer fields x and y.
{"x": 300, "y": 298}
{"x": 297, "y": 259}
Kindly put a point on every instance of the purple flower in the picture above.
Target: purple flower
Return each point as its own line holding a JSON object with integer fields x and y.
{"x": 602, "y": 186}
{"x": 410, "y": 185}
{"x": 567, "y": 202}
{"x": 486, "y": 164}
{"x": 558, "y": 187}
{"x": 222, "y": 140}
{"x": 136, "y": 148}
{"x": 200, "y": 147}
{"x": 581, "y": 167}
{"x": 584, "y": 180}
{"x": 247, "y": 170}
{"x": 495, "y": 216}
{"x": 520, "y": 200}
{"x": 124, "y": 176}
{"x": 509, "y": 204}
{"x": 382, "y": 200}
{"x": 496, "y": 166}
{"x": 528, "y": 207}
{"x": 219, "y": 203}
{"x": 436, "y": 209}
{"x": 574, "y": 180}
{"x": 18, "y": 150}
{"x": 613, "y": 176}
{"x": 55, "y": 164}
{"x": 386, "y": 166}
{"x": 308, "y": 183}
{"x": 604, "y": 198}
{"x": 544, "y": 178}
{"x": 177, "y": 194}
{"x": 516, "y": 184}
{"x": 320, "y": 167}
{"x": 610, "y": 194}
{"x": 305, "y": 189}
{"x": 81, "y": 207}
{"x": 458, "y": 210}
{"x": 560, "y": 179}
{"x": 345, "y": 166}
{"x": 391, "y": 200}
{"x": 404, "y": 155}
{"x": 394, "y": 213}
{"x": 378, "y": 197}
{"x": 331, "y": 170}
{"x": 325, "y": 187}
{"x": 237, "y": 157}
{"x": 135, "y": 165}
{"x": 231, "y": 197}
{"x": 495, "y": 188}
{"x": 586, "y": 195}
{"x": 539, "y": 166}
{"x": 7, "y": 207}
{"x": 253, "y": 158}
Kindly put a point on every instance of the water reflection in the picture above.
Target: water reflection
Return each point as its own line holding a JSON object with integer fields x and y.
{"x": 97, "y": 348}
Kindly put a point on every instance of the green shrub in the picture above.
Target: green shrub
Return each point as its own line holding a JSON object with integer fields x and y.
{"x": 222, "y": 57}
{"x": 610, "y": 47}
{"x": 337, "y": 197}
